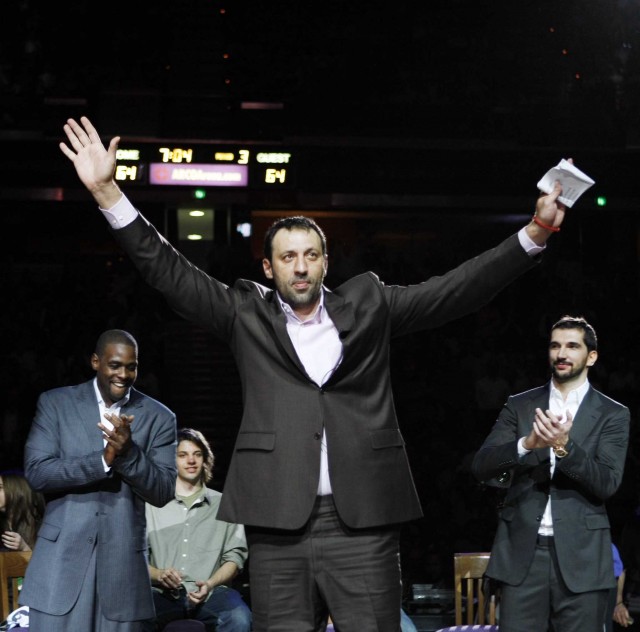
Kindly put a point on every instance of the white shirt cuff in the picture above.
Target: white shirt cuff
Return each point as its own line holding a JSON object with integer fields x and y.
{"x": 521, "y": 449}
{"x": 121, "y": 214}
{"x": 530, "y": 246}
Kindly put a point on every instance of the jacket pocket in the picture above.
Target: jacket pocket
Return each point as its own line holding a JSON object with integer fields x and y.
{"x": 49, "y": 531}
{"x": 596, "y": 521}
{"x": 386, "y": 438}
{"x": 256, "y": 441}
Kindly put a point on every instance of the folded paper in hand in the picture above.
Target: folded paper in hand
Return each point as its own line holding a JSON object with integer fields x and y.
{"x": 574, "y": 182}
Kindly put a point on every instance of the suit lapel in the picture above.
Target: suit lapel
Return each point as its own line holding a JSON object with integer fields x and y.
{"x": 136, "y": 402}
{"x": 539, "y": 399}
{"x": 586, "y": 418}
{"x": 89, "y": 413}
{"x": 343, "y": 316}
{"x": 341, "y": 313}
{"x": 279, "y": 323}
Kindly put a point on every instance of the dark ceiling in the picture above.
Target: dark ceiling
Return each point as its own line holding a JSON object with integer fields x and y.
{"x": 532, "y": 73}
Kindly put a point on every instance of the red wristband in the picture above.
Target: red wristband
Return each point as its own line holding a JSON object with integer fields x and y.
{"x": 553, "y": 229}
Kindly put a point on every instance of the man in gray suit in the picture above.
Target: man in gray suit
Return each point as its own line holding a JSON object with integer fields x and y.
{"x": 99, "y": 450}
{"x": 563, "y": 448}
{"x": 319, "y": 475}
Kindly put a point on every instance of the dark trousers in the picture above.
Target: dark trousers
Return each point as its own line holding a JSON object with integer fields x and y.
{"x": 543, "y": 601}
{"x": 300, "y": 577}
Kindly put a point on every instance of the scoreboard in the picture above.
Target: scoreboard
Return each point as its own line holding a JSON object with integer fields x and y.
{"x": 203, "y": 165}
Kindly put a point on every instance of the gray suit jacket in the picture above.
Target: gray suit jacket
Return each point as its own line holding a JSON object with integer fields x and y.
{"x": 274, "y": 472}
{"x": 87, "y": 507}
{"x": 582, "y": 482}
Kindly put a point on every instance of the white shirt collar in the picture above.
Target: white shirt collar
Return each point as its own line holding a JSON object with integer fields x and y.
{"x": 574, "y": 395}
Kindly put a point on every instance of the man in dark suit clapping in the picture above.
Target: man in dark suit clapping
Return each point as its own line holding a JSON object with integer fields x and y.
{"x": 563, "y": 445}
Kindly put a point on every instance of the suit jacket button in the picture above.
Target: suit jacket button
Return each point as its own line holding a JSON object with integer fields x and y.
{"x": 538, "y": 518}
{"x": 90, "y": 540}
{"x": 317, "y": 435}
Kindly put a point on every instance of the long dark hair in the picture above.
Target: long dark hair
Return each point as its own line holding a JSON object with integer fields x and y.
{"x": 23, "y": 508}
{"x": 195, "y": 436}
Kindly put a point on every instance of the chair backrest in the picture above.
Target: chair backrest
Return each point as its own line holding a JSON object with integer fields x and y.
{"x": 469, "y": 569}
{"x": 13, "y": 565}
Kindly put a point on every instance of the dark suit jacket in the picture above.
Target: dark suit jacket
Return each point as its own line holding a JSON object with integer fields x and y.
{"x": 87, "y": 507}
{"x": 274, "y": 472}
{"x": 582, "y": 482}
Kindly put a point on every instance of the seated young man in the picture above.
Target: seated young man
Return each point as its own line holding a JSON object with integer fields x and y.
{"x": 193, "y": 556}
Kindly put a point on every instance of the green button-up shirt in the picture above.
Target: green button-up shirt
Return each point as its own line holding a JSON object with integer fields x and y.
{"x": 192, "y": 540}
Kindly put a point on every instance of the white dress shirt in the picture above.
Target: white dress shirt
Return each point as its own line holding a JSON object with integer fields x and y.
{"x": 103, "y": 408}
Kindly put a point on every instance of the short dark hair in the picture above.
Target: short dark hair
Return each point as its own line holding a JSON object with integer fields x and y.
{"x": 195, "y": 436}
{"x": 291, "y": 223}
{"x": 578, "y": 322}
{"x": 117, "y": 337}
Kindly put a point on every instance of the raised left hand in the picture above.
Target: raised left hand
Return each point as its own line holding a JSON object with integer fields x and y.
{"x": 549, "y": 212}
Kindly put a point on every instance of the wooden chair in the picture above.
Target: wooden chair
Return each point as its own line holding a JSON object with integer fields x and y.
{"x": 13, "y": 565}
{"x": 469, "y": 569}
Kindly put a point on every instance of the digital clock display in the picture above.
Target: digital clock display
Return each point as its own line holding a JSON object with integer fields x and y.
{"x": 176, "y": 155}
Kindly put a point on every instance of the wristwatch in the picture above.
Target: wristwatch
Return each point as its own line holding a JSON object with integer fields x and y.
{"x": 562, "y": 450}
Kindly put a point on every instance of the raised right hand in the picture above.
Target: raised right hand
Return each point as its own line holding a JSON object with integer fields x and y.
{"x": 94, "y": 164}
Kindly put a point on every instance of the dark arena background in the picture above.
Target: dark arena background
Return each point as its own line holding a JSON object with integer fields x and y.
{"x": 415, "y": 135}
